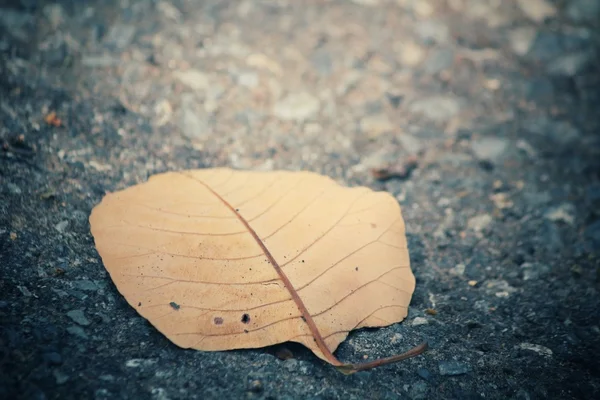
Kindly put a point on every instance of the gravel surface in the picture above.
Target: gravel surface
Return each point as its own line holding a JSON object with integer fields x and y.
{"x": 480, "y": 116}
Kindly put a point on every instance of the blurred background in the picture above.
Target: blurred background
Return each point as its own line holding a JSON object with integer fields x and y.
{"x": 480, "y": 116}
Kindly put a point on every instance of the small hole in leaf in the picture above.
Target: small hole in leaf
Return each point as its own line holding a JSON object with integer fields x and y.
{"x": 245, "y": 318}
{"x": 218, "y": 321}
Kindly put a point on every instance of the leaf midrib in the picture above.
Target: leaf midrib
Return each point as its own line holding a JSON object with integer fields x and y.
{"x": 287, "y": 283}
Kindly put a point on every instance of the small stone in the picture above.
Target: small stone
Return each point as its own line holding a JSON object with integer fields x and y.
{"x": 194, "y": 78}
{"x": 432, "y": 32}
{"x": 13, "y": 189}
{"x": 78, "y": 317}
{"x": 194, "y": 124}
{"x": 248, "y": 79}
{"x": 55, "y": 14}
{"x": 521, "y": 40}
{"x": 524, "y": 146}
{"x": 77, "y": 331}
{"x": 18, "y": 24}
{"x": 438, "y": 60}
{"x": 489, "y": 149}
{"x": 541, "y": 350}
{"x": 61, "y": 226}
{"x": 453, "y": 368}
{"x": 375, "y": 125}
{"x": 120, "y": 36}
{"x": 583, "y": 10}
{"x": 322, "y": 62}
{"x": 419, "y": 321}
{"x": 261, "y": 61}
{"x": 564, "y": 213}
{"x": 437, "y": 108}
{"x": 537, "y": 10}
{"x": 425, "y": 374}
{"x": 411, "y": 54}
{"x": 533, "y": 271}
{"x": 570, "y": 64}
{"x": 59, "y": 377}
{"x": 500, "y": 288}
{"x": 419, "y": 391}
{"x": 479, "y": 222}
{"x": 411, "y": 144}
{"x": 296, "y": 107}
{"x": 85, "y": 285}
{"x": 459, "y": 269}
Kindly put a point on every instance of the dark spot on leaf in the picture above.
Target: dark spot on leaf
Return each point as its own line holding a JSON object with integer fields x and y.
{"x": 139, "y": 304}
{"x": 245, "y": 330}
{"x": 237, "y": 209}
{"x": 245, "y": 318}
{"x": 373, "y": 226}
{"x": 356, "y": 268}
{"x": 218, "y": 321}
{"x": 174, "y": 305}
{"x": 303, "y": 319}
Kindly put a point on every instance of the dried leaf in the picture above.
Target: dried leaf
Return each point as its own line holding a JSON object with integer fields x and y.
{"x": 219, "y": 259}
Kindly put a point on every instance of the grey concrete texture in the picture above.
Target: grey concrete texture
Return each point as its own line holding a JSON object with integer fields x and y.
{"x": 479, "y": 116}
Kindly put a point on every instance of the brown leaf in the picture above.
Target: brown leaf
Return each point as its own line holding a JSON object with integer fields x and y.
{"x": 253, "y": 259}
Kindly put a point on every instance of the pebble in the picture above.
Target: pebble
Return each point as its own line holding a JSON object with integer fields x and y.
{"x": 248, "y": 79}
{"x": 322, "y": 62}
{"x": 564, "y": 213}
{"x": 479, "y": 222}
{"x": 85, "y": 285}
{"x": 560, "y": 132}
{"x": 60, "y": 377}
{"x": 425, "y": 374}
{"x": 419, "y": 321}
{"x": 194, "y": 123}
{"x": 120, "y": 36}
{"x": 296, "y": 107}
{"x": 438, "y": 60}
{"x": 453, "y": 368}
{"x": 411, "y": 144}
{"x": 541, "y": 350}
{"x": 570, "y": 64}
{"x": 432, "y": 32}
{"x": 18, "y": 24}
{"x": 419, "y": 391}
{"x": 411, "y": 53}
{"x": 437, "y": 108}
{"x": 583, "y": 10}
{"x": 61, "y": 226}
{"x": 193, "y": 78}
{"x": 77, "y": 331}
{"x": 489, "y": 149}
{"x": 297, "y": 366}
{"x": 521, "y": 40}
{"x": 375, "y": 125}
{"x": 13, "y": 189}
{"x": 533, "y": 271}
{"x": 537, "y": 10}
{"x": 78, "y": 317}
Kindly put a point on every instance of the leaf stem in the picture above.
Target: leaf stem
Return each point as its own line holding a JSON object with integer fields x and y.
{"x": 349, "y": 369}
